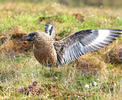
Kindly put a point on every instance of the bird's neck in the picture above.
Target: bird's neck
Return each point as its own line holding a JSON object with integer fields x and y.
{"x": 43, "y": 42}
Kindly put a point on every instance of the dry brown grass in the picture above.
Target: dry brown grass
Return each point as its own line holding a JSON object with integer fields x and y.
{"x": 91, "y": 65}
{"x": 3, "y": 39}
{"x": 114, "y": 55}
{"x": 79, "y": 16}
{"x": 16, "y": 44}
{"x": 68, "y": 82}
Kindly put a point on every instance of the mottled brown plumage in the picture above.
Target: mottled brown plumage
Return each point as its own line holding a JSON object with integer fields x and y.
{"x": 44, "y": 50}
{"x": 48, "y": 51}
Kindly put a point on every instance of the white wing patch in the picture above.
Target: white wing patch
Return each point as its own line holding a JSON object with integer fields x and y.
{"x": 102, "y": 34}
{"x": 92, "y": 42}
{"x": 104, "y": 38}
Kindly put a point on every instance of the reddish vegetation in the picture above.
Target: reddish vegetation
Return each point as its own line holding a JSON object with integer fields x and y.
{"x": 120, "y": 54}
{"x": 53, "y": 90}
{"x": 32, "y": 89}
{"x": 115, "y": 55}
{"x": 15, "y": 44}
{"x": 79, "y": 16}
{"x": 20, "y": 45}
{"x": 90, "y": 65}
{"x": 3, "y": 39}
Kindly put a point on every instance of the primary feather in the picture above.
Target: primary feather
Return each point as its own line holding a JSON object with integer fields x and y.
{"x": 49, "y": 51}
{"x": 78, "y": 44}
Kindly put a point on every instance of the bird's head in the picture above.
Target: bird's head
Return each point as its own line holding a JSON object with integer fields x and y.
{"x": 33, "y": 36}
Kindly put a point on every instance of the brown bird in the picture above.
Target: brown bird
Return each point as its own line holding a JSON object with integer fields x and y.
{"x": 50, "y": 52}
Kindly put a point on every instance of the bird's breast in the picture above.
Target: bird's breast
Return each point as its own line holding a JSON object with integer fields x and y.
{"x": 45, "y": 53}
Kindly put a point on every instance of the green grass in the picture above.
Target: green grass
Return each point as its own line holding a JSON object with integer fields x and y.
{"x": 68, "y": 81}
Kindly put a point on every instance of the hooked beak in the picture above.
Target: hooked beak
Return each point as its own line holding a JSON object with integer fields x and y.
{"x": 27, "y": 38}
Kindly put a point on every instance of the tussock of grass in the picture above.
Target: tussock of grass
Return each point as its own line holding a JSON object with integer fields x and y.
{"x": 91, "y": 77}
{"x": 115, "y": 55}
{"x": 90, "y": 64}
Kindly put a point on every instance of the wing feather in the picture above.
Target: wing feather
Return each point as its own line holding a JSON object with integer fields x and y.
{"x": 78, "y": 44}
{"x": 49, "y": 29}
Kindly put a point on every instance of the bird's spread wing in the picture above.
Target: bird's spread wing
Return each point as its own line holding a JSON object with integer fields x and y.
{"x": 76, "y": 45}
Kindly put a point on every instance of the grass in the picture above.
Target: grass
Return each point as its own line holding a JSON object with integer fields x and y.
{"x": 65, "y": 82}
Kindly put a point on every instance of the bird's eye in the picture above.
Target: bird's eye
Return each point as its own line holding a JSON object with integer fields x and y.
{"x": 32, "y": 35}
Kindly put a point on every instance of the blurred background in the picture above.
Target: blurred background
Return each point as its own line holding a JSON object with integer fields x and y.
{"x": 78, "y": 3}
{"x": 94, "y": 76}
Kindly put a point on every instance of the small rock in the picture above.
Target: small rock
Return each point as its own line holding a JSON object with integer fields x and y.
{"x": 94, "y": 83}
{"x": 86, "y": 86}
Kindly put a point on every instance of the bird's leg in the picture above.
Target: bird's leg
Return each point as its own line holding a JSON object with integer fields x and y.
{"x": 51, "y": 69}
{"x": 42, "y": 66}
{"x": 50, "y": 66}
